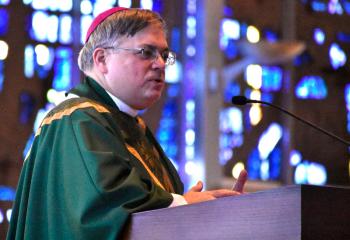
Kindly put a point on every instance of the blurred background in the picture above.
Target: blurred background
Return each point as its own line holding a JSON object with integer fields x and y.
{"x": 292, "y": 53}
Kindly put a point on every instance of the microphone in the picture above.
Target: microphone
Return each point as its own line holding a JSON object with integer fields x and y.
{"x": 242, "y": 100}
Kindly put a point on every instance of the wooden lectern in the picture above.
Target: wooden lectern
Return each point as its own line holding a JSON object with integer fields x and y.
{"x": 292, "y": 212}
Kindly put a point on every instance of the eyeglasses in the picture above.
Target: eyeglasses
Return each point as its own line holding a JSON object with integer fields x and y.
{"x": 150, "y": 53}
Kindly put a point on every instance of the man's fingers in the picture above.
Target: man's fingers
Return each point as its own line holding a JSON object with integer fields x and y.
{"x": 242, "y": 179}
{"x": 223, "y": 193}
{"x": 197, "y": 188}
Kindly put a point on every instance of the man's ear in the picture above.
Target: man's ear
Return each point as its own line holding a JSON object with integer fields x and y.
{"x": 99, "y": 57}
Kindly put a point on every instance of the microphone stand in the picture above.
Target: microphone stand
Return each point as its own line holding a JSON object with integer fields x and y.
{"x": 300, "y": 119}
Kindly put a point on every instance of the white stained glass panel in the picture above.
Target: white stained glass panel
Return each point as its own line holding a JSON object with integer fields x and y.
{"x": 101, "y": 6}
{"x": 52, "y": 28}
{"x": 84, "y": 25}
{"x": 86, "y": 7}
{"x": 39, "y": 25}
{"x": 53, "y": 5}
{"x": 337, "y": 56}
{"x": 146, "y": 4}
{"x": 65, "y": 32}
{"x": 4, "y": 49}
{"x": 124, "y": 3}
{"x": 4, "y": 2}
{"x": 64, "y": 5}
{"x": 42, "y": 54}
{"x": 40, "y": 4}
{"x": 230, "y": 28}
{"x": 269, "y": 140}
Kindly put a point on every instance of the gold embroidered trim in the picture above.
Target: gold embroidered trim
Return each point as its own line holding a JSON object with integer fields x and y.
{"x": 137, "y": 155}
{"x": 69, "y": 111}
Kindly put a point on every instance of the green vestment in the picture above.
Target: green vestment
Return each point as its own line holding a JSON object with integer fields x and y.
{"x": 80, "y": 180}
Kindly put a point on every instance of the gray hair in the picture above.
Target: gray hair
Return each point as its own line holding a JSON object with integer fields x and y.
{"x": 124, "y": 23}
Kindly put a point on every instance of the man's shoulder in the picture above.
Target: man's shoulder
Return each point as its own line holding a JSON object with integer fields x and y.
{"x": 74, "y": 108}
{"x": 72, "y": 105}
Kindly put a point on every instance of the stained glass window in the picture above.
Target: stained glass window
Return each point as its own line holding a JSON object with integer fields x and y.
{"x": 337, "y": 56}
{"x": 4, "y": 16}
{"x": 63, "y": 64}
{"x": 311, "y": 87}
{"x": 4, "y": 2}
{"x": 2, "y": 78}
{"x": 27, "y": 107}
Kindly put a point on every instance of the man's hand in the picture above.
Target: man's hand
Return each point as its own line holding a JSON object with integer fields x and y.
{"x": 242, "y": 179}
{"x": 195, "y": 194}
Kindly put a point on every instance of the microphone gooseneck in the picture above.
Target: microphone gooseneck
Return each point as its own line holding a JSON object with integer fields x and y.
{"x": 242, "y": 100}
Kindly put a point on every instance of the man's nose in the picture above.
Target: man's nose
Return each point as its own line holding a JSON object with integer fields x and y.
{"x": 159, "y": 61}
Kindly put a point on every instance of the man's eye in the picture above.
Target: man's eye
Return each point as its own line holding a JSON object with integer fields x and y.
{"x": 165, "y": 55}
{"x": 147, "y": 53}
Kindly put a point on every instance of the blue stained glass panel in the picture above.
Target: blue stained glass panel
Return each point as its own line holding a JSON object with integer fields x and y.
{"x": 319, "y": 6}
{"x": 231, "y": 50}
{"x": 158, "y": 6}
{"x": 244, "y": 28}
{"x": 343, "y": 37}
{"x": 7, "y": 193}
{"x": 28, "y": 145}
{"x": 232, "y": 89}
{"x": 346, "y": 5}
{"x": 4, "y": 16}
{"x": 254, "y": 163}
{"x": 311, "y": 87}
{"x": 270, "y": 35}
{"x": 347, "y": 101}
{"x": 173, "y": 90}
{"x": 271, "y": 78}
{"x": 228, "y": 12}
{"x": 303, "y": 59}
{"x": 63, "y": 65}
{"x": 167, "y": 130}
{"x": 347, "y": 96}
{"x": 27, "y": 106}
{"x": 2, "y": 77}
{"x": 176, "y": 40}
{"x": 29, "y": 63}
{"x": 275, "y": 159}
{"x": 319, "y": 36}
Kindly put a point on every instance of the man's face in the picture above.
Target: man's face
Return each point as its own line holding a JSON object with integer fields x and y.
{"x": 137, "y": 81}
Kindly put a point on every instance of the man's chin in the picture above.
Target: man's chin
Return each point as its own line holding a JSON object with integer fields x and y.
{"x": 148, "y": 102}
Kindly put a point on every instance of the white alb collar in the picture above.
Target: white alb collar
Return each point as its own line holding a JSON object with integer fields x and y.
{"x": 123, "y": 106}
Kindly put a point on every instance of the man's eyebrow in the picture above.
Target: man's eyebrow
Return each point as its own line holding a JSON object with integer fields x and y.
{"x": 155, "y": 47}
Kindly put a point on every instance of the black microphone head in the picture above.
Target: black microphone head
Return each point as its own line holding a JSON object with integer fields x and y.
{"x": 239, "y": 100}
